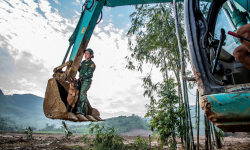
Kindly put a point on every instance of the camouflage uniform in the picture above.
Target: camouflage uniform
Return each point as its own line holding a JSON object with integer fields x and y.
{"x": 86, "y": 70}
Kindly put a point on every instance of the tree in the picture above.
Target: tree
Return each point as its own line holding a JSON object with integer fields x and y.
{"x": 28, "y": 131}
{"x": 166, "y": 121}
{"x": 153, "y": 27}
{"x": 66, "y": 129}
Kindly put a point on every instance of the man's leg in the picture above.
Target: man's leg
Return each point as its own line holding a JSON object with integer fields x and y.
{"x": 82, "y": 102}
{"x": 242, "y": 55}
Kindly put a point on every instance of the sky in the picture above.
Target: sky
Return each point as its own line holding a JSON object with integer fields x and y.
{"x": 222, "y": 22}
{"x": 33, "y": 41}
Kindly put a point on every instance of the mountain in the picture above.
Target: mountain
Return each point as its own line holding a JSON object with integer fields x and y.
{"x": 25, "y": 109}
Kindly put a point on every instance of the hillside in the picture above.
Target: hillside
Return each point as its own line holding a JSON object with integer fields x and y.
{"x": 125, "y": 124}
{"x": 27, "y": 110}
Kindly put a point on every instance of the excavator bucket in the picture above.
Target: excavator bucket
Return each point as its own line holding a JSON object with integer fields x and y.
{"x": 55, "y": 102}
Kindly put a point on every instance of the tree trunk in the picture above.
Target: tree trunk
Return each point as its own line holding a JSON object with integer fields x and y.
{"x": 189, "y": 117}
{"x": 206, "y": 133}
{"x": 209, "y": 135}
{"x": 217, "y": 139}
{"x": 185, "y": 94}
{"x": 211, "y": 130}
{"x": 173, "y": 132}
{"x": 181, "y": 120}
{"x": 149, "y": 140}
{"x": 198, "y": 118}
{"x": 186, "y": 117}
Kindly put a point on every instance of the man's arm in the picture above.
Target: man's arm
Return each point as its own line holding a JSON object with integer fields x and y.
{"x": 89, "y": 73}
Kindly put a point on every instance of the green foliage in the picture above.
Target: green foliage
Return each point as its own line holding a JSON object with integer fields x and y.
{"x": 220, "y": 134}
{"x": 76, "y": 147}
{"x": 125, "y": 124}
{"x": 7, "y": 124}
{"x": 23, "y": 110}
{"x": 66, "y": 130}
{"x": 121, "y": 124}
{"x": 76, "y": 129}
{"x": 166, "y": 121}
{"x": 153, "y": 29}
{"x": 139, "y": 144}
{"x": 28, "y": 131}
{"x": 85, "y": 138}
{"x": 106, "y": 138}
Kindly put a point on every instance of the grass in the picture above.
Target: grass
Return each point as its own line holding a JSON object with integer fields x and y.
{"x": 55, "y": 132}
{"x": 60, "y": 132}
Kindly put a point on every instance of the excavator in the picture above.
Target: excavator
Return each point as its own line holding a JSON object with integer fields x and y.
{"x": 223, "y": 82}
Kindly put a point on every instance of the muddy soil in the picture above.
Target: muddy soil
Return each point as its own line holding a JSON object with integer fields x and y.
{"x": 230, "y": 143}
{"x": 17, "y": 140}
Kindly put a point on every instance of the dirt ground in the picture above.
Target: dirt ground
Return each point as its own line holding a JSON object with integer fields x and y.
{"x": 17, "y": 140}
{"x": 234, "y": 142}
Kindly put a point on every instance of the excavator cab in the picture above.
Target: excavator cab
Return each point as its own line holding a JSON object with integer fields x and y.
{"x": 223, "y": 82}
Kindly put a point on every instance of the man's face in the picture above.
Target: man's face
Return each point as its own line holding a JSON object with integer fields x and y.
{"x": 87, "y": 55}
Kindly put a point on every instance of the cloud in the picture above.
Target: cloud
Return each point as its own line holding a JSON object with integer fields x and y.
{"x": 56, "y": 1}
{"x": 77, "y": 2}
{"x": 120, "y": 15}
{"x": 78, "y": 14}
{"x": 33, "y": 41}
{"x": 107, "y": 9}
{"x": 114, "y": 90}
{"x": 36, "y": 33}
{"x": 21, "y": 72}
{"x": 28, "y": 37}
{"x": 109, "y": 27}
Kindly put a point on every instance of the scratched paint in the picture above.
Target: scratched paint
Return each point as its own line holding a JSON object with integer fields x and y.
{"x": 230, "y": 106}
{"x": 228, "y": 111}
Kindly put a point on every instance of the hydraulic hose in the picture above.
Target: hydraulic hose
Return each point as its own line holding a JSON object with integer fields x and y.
{"x": 86, "y": 6}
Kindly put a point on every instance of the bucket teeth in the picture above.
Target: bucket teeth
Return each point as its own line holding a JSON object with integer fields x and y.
{"x": 91, "y": 118}
{"x": 81, "y": 117}
{"x": 98, "y": 118}
{"x": 72, "y": 117}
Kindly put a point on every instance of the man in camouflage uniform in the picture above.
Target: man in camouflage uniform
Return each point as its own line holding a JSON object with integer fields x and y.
{"x": 86, "y": 71}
